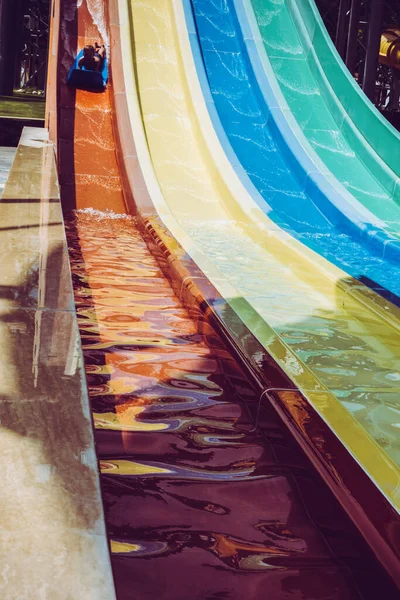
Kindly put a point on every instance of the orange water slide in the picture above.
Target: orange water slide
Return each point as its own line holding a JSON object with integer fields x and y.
{"x": 80, "y": 122}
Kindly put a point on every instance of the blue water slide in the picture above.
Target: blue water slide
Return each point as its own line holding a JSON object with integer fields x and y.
{"x": 267, "y": 155}
{"x": 86, "y": 79}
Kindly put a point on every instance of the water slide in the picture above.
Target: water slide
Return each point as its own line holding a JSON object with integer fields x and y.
{"x": 330, "y": 334}
{"x": 333, "y": 337}
{"x": 365, "y": 129}
{"x": 282, "y": 172}
{"x": 343, "y": 131}
{"x": 177, "y": 450}
{"x": 255, "y": 131}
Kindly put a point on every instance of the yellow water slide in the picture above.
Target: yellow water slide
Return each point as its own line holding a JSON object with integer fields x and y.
{"x": 336, "y": 340}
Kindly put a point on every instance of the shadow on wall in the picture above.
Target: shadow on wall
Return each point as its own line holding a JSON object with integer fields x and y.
{"x": 51, "y": 507}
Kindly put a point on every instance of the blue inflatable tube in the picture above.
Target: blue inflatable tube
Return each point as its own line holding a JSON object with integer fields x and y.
{"x": 85, "y": 79}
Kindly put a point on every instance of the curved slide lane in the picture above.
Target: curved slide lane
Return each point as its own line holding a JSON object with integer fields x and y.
{"x": 199, "y": 503}
{"x": 262, "y": 133}
{"x": 358, "y": 119}
{"x": 288, "y": 53}
{"x": 331, "y": 338}
{"x": 310, "y": 77}
{"x": 243, "y": 123}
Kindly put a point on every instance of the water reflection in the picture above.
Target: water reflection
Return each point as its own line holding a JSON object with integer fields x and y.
{"x": 199, "y": 504}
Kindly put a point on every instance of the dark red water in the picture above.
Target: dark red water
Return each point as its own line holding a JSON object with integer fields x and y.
{"x": 199, "y": 504}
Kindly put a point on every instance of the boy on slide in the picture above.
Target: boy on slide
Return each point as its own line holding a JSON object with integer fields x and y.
{"x": 92, "y": 57}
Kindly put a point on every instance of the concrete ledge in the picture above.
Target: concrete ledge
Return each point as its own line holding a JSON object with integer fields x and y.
{"x": 53, "y": 542}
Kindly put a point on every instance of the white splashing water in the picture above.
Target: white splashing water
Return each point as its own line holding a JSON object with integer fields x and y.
{"x": 98, "y": 215}
{"x": 96, "y": 10}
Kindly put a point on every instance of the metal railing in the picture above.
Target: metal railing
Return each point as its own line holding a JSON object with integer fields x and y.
{"x": 33, "y": 38}
{"x": 356, "y": 27}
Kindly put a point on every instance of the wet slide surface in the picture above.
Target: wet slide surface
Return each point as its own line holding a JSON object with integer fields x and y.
{"x": 323, "y": 121}
{"x": 291, "y": 299}
{"x": 247, "y": 120}
{"x": 198, "y": 503}
{"x": 87, "y": 163}
{"x": 352, "y": 110}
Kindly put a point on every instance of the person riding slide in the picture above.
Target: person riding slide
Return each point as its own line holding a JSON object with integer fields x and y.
{"x": 92, "y": 57}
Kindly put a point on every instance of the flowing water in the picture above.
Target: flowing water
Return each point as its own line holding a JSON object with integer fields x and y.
{"x": 199, "y": 503}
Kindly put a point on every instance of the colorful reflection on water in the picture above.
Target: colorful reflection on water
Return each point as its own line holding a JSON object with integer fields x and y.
{"x": 199, "y": 503}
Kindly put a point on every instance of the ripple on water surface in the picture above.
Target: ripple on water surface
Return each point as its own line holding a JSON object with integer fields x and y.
{"x": 199, "y": 504}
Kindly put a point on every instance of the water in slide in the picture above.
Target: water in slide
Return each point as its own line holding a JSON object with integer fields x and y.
{"x": 87, "y": 162}
{"x": 288, "y": 31}
{"x": 297, "y": 304}
{"x": 198, "y": 502}
{"x": 375, "y": 141}
{"x": 251, "y": 123}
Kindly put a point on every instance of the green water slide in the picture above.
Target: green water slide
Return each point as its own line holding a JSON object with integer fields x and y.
{"x": 358, "y": 146}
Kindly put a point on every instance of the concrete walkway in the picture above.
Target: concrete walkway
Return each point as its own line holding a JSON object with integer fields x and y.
{"x": 53, "y": 542}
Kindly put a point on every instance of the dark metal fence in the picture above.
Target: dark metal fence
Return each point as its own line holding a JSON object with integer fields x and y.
{"x": 33, "y": 36}
{"x": 356, "y": 26}
{"x": 24, "y": 38}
